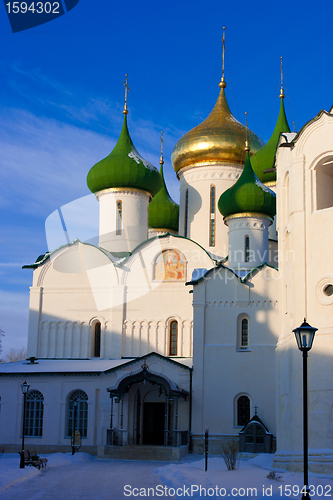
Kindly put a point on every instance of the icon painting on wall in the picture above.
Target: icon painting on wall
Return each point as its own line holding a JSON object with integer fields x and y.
{"x": 170, "y": 266}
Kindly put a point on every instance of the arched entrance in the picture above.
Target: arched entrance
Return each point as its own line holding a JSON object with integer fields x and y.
{"x": 154, "y": 413}
{"x": 148, "y": 410}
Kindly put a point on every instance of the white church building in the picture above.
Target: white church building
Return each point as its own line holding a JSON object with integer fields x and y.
{"x": 181, "y": 318}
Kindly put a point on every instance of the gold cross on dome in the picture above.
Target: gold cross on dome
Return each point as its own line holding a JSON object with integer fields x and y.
{"x": 126, "y": 90}
{"x": 161, "y": 137}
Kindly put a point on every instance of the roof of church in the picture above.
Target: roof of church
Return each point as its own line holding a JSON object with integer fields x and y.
{"x": 255, "y": 419}
{"x": 264, "y": 159}
{"x": 242, "y": 275}
{"x": 163, "y": 212}
{"x": 248, "y": 195}
{"x": 219, "y": 138}
{"x": 124, "y": 167}
{"x": 295, "y": 137}
{"x": 117, "y": 258}
{"x": 80, "y": 366}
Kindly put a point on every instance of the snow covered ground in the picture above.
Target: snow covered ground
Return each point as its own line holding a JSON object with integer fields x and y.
{"x": 84, "y": 477}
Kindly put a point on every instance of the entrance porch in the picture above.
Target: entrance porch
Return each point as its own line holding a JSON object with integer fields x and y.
{"x": 149, "y": 417}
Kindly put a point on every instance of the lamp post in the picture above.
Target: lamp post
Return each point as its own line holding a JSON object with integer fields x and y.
{"x": 25, "y": 388}
{"x": 304, "y": 337}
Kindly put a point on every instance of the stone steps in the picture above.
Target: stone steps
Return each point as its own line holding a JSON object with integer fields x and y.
{"x": 145, "y": 452}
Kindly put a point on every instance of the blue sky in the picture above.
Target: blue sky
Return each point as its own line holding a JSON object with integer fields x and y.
{"x": 61, "y": 100}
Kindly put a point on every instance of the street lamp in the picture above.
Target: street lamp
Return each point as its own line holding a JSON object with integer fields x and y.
{"x": 304, "y": 337}
{"x": 25, "y": 388}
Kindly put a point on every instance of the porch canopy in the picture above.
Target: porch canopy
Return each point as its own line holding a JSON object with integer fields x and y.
{"x": 171, "y": 390}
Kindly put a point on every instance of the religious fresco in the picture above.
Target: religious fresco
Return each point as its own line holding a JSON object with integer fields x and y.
{"x": 170, "y": 266}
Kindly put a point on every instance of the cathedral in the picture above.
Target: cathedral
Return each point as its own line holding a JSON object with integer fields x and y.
{"x": 181, "y": 318}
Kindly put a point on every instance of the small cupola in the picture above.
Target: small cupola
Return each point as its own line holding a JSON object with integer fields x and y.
{"x": 163, "y": 212}
{"x": 248, "y": 195}
{"x": 124, "y": 184}
{"x": 263, "y": 162}
{"x": 124, "y": 167}
{"x": 248, "y": 208}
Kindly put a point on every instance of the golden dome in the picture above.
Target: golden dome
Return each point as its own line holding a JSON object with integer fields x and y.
{"x": 219, "y": 138}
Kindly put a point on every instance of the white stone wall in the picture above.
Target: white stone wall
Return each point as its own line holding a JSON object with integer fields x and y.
{"x": 79, "y": 285}
{"x": 221, "y": 370}
{"x": 305, "y": 250}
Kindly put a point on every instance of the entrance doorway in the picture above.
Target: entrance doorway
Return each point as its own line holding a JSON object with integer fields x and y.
{"x": 153, "y": 423}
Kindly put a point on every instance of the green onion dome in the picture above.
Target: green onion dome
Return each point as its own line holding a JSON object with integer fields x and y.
{"x": 248, "y": 195}
{"x": 124, "y": 167}
{"x": 163, "y": 212}
{"x": 265, "y": 158}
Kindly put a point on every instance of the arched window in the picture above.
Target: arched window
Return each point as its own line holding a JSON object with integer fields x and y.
{"x": 324, "y": 183}
{"x": 244, "y": 333}
{"x": 173, "y": 338}
{"x": 80, "y": 414}
{"x": 243, "y": 410}
{"x": 97, "y": 340}
{"x": 119, "y": 216}
{"x": 186, "y": 214}
{"x": 247, "y": 249}
{"x": 34, "y": 414}
{"x": 212, "y": 224}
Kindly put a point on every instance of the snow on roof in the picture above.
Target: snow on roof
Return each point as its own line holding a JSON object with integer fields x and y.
{"x": 61, "y": 366}
{"x": 71, "y": 365}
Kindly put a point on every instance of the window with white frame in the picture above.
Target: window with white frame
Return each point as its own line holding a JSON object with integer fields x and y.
{"x": 119, "y": 217}
{"x": 34, "y": 414}
{"x": 173, "y": 329}
{"x": 97, "y": 339}
{"x": 186, "y": 214}
{"x": 212, "y": 215}
{"x": 247, "y": 248}
{"x": 77, "y": 416}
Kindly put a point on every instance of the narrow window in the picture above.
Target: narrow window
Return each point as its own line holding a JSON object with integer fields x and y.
{"x": 173, "y": 338}
{"x": 212, "y": 217}
{"x": 324, "y": 183}
{"x": 247, "y": 248}
{"x": 186, "y": 213}
{"x": 243, "y": 410}
{"x": 77, "y": 419}
{"x": 245, "y": 333}
{"x": 97, "y": 340}
{"x": 119, "y": 217}
{"x": 34, "y": 414}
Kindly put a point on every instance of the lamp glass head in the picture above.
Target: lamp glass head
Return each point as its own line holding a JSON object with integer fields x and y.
{"x": 304, "y": 336}
{"x": 25, "y": 387}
